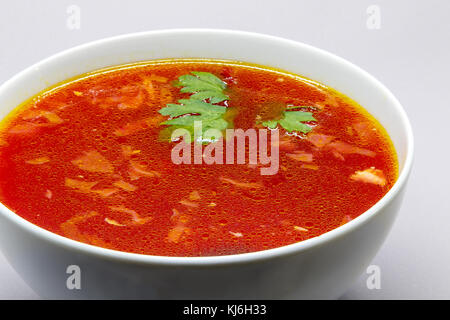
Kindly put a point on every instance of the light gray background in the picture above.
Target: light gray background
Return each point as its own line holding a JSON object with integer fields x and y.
{"x": 409, "y": 54}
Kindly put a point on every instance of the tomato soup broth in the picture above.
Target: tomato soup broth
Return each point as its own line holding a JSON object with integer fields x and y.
{"x": 88, "y": 160}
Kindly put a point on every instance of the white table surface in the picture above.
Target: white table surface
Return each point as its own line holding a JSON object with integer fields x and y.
{"x": 409, "y": 53}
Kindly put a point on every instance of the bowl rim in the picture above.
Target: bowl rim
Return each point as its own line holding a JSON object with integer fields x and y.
{"x": 251, "y": 257}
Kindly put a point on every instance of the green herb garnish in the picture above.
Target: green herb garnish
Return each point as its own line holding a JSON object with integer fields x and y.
{"x": 207, "y": 90}
{"x": 188, "y": 111}
{"x": 292, "y": 120}
{"x": 204, "y": 86}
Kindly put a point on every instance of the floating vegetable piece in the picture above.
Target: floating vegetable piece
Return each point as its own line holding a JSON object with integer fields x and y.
{"x": 371, "y": 175}
{"x": 93, "y": 161}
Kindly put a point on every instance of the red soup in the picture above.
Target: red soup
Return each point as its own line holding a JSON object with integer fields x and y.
{"x": 91, "y": 159}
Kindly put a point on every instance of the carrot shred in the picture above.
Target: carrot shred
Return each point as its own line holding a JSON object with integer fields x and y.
{"x": 188, "y": 203}
{"x": 135, "y": 218}
{"x": 137, "y": 171}
{"x": 319, "y": 140}
{"x": 301, "y": 156}
{"x": 113, "y": 222}
{"x": 93, "y": 161}
{"x": 82, "y": 186}
{"x": 125, "y": 185}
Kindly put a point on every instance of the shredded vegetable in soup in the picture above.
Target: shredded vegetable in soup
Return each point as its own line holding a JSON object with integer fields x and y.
{"x": 192, "y": 158}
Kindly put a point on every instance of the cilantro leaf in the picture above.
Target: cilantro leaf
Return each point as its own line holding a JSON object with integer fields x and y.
{"x": 188, "y": 111}
{"x": 292, "y": 121}
{"x": 203, "y": 85}
{"x": 271, "y": 124}
{"x": 187, "y": 106}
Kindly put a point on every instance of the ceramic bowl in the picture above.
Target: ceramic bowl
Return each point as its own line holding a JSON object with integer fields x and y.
{"x": 322, "y": 267}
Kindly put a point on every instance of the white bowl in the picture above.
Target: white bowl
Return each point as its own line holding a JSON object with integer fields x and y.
{"x": 322, "y": 267}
